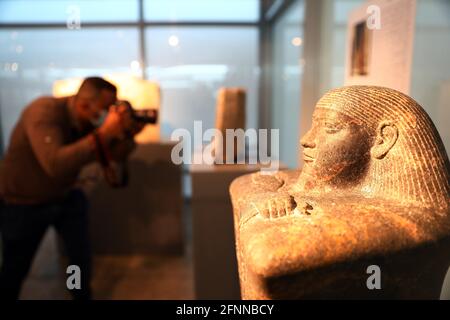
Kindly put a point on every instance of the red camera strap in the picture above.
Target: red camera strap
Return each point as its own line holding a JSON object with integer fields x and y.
{"x": 105, "y": 160}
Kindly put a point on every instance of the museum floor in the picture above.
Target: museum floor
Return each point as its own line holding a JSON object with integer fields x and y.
{"x": 115, "y": 277}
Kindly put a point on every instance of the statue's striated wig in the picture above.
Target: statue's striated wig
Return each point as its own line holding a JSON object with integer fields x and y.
{"x": 416, "y": 169}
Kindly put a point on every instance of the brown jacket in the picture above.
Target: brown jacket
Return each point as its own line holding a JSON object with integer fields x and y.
{"x": 45, "y": 154}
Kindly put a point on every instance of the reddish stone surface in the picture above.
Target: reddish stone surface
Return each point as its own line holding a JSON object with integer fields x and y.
{"x": 374, "y": 190}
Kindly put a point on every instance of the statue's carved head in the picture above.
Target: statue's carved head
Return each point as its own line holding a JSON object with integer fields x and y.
{"x": 375, "y": 142}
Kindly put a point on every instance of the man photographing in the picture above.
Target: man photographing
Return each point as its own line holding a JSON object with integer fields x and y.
{"x": 52, "y": 141}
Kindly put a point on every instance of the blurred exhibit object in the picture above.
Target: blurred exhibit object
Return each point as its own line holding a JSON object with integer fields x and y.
{"x": 230, "y": 114}
{"x": 380, "y": 44}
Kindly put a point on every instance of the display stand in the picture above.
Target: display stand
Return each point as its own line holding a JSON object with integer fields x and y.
{"x": 146, "y": 216}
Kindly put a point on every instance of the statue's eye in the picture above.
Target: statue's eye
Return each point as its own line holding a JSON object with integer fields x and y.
{"x": 332, "y": 127}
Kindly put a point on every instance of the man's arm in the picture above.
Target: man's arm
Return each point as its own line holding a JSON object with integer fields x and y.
{"x": 121, "y": 150}
{"x": 44, "y": 127}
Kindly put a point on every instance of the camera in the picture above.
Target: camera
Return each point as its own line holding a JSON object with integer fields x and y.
{"x": 146, "y": 116}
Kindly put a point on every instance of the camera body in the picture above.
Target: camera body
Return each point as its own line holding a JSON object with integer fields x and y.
{"x": 146, "y": 116}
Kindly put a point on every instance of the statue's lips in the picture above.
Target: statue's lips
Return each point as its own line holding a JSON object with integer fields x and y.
{"x": 307, "y": 158}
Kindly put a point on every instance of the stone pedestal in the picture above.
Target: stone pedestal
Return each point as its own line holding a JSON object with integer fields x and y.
{"x": 146, "y": 216}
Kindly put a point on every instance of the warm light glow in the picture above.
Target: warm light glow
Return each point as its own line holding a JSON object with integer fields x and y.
{"x": 174, "y": 41}
{"x": 297, "y": 41}
{"x": 14, "y": 67}
{"x": 140, "y": 93}
{"x": 66, "y": 87}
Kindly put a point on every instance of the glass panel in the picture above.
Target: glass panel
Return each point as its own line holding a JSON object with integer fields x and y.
{"x": 51, "y": 11}
{"x": 31, "y": 60}
{"x": 287, "y": 76}
{"x": 201, "y": 10}
{"x": 192, "y": 63}
{"x": 430, "y": 84}
{"x": 338, "y": 35}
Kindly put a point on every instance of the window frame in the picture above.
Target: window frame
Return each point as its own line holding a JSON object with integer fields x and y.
{"x": 264, "y": 25}
{"x": 141, "y": 24}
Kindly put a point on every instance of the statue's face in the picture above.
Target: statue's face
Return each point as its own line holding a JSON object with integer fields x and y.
{"x": 336, "y": 150}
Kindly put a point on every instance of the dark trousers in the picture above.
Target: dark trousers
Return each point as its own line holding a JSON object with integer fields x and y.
{"x": 22, "y": 229}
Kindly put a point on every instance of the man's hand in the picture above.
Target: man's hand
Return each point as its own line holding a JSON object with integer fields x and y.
{"x": 119, "y": 124}
{"x": 130, "y": 125}
{"x": 122, "y": 149}
{"x": 112, "y": 129}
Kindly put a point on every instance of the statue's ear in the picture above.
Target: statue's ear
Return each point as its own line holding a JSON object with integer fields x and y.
{"x": 387, "y": 135}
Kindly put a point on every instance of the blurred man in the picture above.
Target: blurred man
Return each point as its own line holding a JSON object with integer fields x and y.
{"x": 53, "y": 139}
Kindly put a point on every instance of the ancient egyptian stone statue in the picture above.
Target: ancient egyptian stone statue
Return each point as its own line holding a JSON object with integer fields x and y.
{"x": 230, "y": 114}
{"x": 374, "y": 190}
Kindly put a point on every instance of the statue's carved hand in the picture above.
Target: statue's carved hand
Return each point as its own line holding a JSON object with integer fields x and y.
{"x": 275, "y": 205}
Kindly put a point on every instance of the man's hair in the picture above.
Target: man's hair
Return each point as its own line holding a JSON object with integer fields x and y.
{"x": 95, "y": 85}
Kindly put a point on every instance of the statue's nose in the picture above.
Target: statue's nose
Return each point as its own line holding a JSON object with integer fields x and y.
{"x": 307, "y": 141}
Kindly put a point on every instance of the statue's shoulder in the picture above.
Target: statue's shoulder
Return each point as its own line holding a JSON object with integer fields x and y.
{"x": 263, "y": 182}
